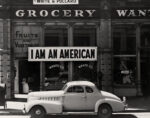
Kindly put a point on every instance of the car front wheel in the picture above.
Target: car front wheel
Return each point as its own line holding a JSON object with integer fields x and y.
{"x": 37, "y": 112}
{"x": 104, "y": 111}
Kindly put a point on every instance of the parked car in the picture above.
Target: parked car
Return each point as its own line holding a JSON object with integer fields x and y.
{"x": 76, "y": 97}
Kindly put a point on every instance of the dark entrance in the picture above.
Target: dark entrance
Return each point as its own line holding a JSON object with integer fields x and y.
{"x": 145, "y": 59}
{"x": 30, "y": 71}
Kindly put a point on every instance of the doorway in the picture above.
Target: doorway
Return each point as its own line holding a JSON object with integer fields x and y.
{"x": 145, "y": 59}
{"x": 30, "y": 71}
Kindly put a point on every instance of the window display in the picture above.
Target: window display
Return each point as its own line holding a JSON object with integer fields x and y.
{"x": 124, "y": 42}
{"x": 55, "y": 72}
{"x": 124, "y": 71}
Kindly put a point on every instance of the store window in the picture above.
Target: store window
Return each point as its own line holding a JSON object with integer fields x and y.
{"x": 124, "y": 45}
{"x": 84, "y": 37}
{"x": 56, "y": 73}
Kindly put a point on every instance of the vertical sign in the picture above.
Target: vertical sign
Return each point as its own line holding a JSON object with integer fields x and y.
{"x": 24, "y": 37}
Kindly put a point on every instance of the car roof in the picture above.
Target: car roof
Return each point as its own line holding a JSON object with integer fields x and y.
{"x": 83, "y": 83}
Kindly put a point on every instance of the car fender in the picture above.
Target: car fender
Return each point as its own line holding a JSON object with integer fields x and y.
{"x": 51, "y": 107}
{"x": 115, "y": 104}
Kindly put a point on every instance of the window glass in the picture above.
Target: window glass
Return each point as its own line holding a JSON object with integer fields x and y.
{"x": 88, "y": 89}
{"x": 55, "y": 72}
{"x": 124, "y": 39}
{"x": 124, "y": 70}
{"x": 124, "y": 62}
{"x": 84, "y": 37}
{"x": 75, "y": 89}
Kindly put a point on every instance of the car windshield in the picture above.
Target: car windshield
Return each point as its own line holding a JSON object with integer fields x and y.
{"x": 64, "y": 87}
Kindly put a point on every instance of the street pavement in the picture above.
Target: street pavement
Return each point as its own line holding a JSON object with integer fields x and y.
{"x": 132, "y": 115}
{"x": 116, "y": 115}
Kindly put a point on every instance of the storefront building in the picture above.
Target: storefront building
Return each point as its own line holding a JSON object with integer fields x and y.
{"x": 79, "y": 40}
{"x": 130, "y": 39}
{"x": 59, "y": 43}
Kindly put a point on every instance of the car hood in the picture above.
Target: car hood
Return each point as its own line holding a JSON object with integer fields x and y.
{"x": 109, "y": 95}
{"x": 46, "y": 93}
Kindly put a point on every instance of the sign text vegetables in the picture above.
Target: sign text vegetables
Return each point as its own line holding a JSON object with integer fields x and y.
{"x": 62, "y": 54}
{"x": 24, "y": 37}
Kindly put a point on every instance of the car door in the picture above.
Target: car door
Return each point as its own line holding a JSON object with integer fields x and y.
{"x": 75, "y": 99}
{"x": 92, "y": 96}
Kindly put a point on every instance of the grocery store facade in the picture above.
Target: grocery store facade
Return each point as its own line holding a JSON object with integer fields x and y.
{"x": 81, "y": 40}
{"x": 63, "y": 41}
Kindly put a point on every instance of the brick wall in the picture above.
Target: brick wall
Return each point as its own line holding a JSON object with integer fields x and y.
{"x": 5, "y": 54}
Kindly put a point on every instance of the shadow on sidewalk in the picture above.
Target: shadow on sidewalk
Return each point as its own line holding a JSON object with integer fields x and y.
{"x": 86, "y": 116}
{"x": 124, "y": 116}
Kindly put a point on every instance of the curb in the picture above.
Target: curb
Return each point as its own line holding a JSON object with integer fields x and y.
{"x": 20, "y": 112}
{"x": 129, "y": 111}
{"x": 11, "y": 112}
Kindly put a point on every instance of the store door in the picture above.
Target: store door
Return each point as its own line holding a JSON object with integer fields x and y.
{"x": 29, "y": 72}
{"x": 145, "y": 71}
{"x": 145, "y": 59}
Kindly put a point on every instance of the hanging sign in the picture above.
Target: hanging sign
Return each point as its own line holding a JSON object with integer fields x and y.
{"x": 62, "y": 54}
{"x": 55, "y": 2}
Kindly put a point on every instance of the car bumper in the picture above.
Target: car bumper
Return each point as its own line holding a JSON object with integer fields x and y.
{"x": 125, "y": 106}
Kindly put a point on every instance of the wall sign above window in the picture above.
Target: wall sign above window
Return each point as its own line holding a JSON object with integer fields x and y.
{"x": 55, "y": 13}
{"x": 55, "y": 2}
{"x": 130, "y": 13}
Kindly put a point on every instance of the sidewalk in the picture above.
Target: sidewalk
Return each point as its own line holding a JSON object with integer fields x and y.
{"x": 15, "y": 106}
{"x": 138, "y": 104}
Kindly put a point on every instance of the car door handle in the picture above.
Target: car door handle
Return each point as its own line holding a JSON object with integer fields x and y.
{"x": 83, "y": 96}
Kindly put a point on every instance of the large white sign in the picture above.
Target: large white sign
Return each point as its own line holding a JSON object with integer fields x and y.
{"x": 55, "y": 2}
{"x": 62, "y": 53}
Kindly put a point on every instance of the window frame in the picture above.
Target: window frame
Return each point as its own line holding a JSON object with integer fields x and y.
{"x": 90, "y": 88}
{"x": 121, "y": 55}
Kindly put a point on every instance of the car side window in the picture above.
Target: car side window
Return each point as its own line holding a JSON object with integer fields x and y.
{"x": 89, "y": 89}
{"x": 75, "y": 89}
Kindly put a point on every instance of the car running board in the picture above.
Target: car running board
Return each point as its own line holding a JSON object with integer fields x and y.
{"x": 79, "y": 113}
